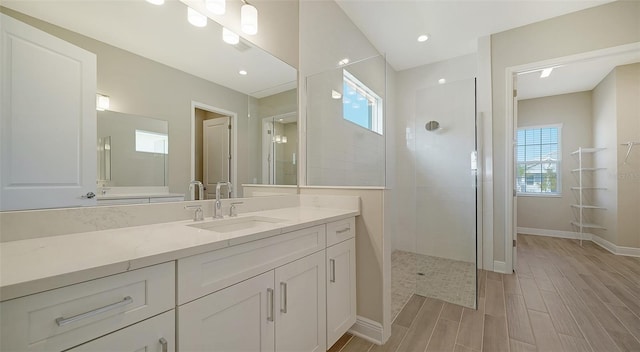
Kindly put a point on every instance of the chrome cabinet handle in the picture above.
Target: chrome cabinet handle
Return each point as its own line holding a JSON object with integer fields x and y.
{"x": 164, "y": 344}
{"x": 64, "y": 321}
{"x": 270, "y": 304}
{"x": 283, "y": 287}
{"x": 332, "y": 266}
{"x": 89, "y": 195}
{"x": 343, "y": 230}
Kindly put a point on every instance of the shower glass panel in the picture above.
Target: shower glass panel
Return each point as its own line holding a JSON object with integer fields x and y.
{"x": 445, "y": 176}
{"x": 345, "y": 125}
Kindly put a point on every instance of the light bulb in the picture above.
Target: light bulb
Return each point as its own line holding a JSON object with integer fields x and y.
{"x": 249, "y": 19}
{"x": 196, "y": 18}
{"x": 230, "y": 37}
{"x": 216, "y": 6}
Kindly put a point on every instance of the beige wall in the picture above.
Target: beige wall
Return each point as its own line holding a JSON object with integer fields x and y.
{"x": 628, "y": 174}
{"x": 573, "y": 111}
{"x": 605, "y": 26}
{"x": 604, "y": 136}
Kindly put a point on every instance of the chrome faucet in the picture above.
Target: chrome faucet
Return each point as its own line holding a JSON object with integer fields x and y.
{"x": 200, "y": 188}
{"x": 217, "y": 212}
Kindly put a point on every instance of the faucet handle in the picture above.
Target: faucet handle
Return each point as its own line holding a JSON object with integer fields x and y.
{"x": 198, "y": 214}
{"x": 233, "y": 211}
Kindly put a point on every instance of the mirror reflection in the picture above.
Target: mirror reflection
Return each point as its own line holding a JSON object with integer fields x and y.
{"x": 152, "y": 62}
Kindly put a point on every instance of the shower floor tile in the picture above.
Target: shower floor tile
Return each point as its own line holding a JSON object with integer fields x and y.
{"x": 445, "y": 279}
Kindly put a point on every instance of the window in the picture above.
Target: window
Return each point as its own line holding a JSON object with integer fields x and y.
{"x": 360, "y": 104}
{"x": 538, "y": 160}
{"x": 152, "y": 142}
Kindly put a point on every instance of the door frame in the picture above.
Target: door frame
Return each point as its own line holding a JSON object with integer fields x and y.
{"x": 234, "y": 142}
{"x": 510, "y": 222}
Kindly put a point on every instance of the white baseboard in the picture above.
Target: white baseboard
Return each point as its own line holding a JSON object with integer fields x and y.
{"x": 500, "y": 267}
{"x": 553, "y": 233}
{"x": 617, "y": 250}
{"x": 367, "y": 329}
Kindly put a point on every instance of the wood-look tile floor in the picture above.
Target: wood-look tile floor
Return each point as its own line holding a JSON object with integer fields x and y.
{"x": 563, "y": 297}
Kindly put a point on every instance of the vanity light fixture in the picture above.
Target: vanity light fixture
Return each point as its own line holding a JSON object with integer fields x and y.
{"x": 102, "y": 102}
{"x": 243, "y": 72}
{"x": 156, "y": 2}
{"x": 546, "y": 72}
{"x": 217, "y": 7}
{"x": 423, "y": 38}
{"x": 196, "y": 18}
{"x": 230, "y": 37}
{"x": 249, "y": 18}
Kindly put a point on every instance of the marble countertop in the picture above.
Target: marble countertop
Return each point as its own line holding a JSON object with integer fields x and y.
{"x": 35, "y": 265}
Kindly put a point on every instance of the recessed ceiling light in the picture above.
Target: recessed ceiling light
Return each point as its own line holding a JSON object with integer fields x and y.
{"x": 343, "y": 61}
{"x": 156, "y": 2}
{"x": 442, "y": 81}
{"x": 196, "y": 18}
{"x": 243, "y": 72}
{"x": 546, "y": 72}
{"x": 423, "y": 38}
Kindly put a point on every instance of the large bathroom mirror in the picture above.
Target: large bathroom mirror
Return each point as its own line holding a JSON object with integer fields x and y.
{"x": 152, "y": 62}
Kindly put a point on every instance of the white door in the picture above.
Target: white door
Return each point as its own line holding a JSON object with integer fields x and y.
{"x": 216, "y": 154}
{"x": 155, "y": 334}
{"x": 341, "y": 289}
{"x": 514, "y": 214}
{"x": 48, "y": 120}
{"x": 237, "y": 318}
{"x": 301, "y": 305}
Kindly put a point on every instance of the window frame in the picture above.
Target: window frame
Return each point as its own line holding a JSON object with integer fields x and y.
{"x": 558, "y": 162}
{"x": 165, "y": 137}
{"x": 376, "y": 119}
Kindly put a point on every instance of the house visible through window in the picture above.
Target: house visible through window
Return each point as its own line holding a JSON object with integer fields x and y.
{"x": 360, "y": 104}
{"x": 538, "y": 160}
{"x": 152, "y": 142}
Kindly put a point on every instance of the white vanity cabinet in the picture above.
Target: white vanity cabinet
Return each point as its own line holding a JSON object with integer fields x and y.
{"x": 341, "y": 278}
{"x": 59, "y": 319}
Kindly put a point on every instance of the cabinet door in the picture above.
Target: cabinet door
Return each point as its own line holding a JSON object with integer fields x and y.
{"x": 301, "y": 305}
{"x": 48, "y": 120}
{"x": 237, "y": 318}
{"x": 341, "y": 289}
{"x": 154, "y": 334}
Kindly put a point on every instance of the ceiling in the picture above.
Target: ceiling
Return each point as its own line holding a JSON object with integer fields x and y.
{"x": 393, "y": 26}
{"x": 162, "y": 34}
{"x": 454, "y": 27}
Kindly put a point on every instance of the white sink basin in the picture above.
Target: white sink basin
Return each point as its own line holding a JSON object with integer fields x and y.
{"x": 236, "y": 224}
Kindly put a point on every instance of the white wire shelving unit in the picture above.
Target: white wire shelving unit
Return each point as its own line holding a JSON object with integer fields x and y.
{"x": 583, "y": 186}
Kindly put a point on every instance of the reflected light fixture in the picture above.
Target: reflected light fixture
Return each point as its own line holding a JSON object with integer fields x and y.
{"x": 196, "y": 18}
{"x": 243, "y": 72}
{"x": 546, "y": 72}
{"x": 423, "y": 38}
{"x": 156, "y": 2}
{"x": 102, "y": 102}
{"x": 343, "y": 61}
{"x": 230, "y": 37}
{"x": 442, "y": 81}
{"x": 249, "y": 18}
{"x": 217, "y": 7}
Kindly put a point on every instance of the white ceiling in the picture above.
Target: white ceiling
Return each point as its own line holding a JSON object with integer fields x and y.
{"x": 393, "y": 26}
{"x": 162, "y": 34}
{"x": 576, "y": 77}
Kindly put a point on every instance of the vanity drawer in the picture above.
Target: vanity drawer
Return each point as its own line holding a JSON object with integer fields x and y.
{"x": 205, "y": 273}
{"x": 71, "y": 315}
{"x": 340, "y": 230}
